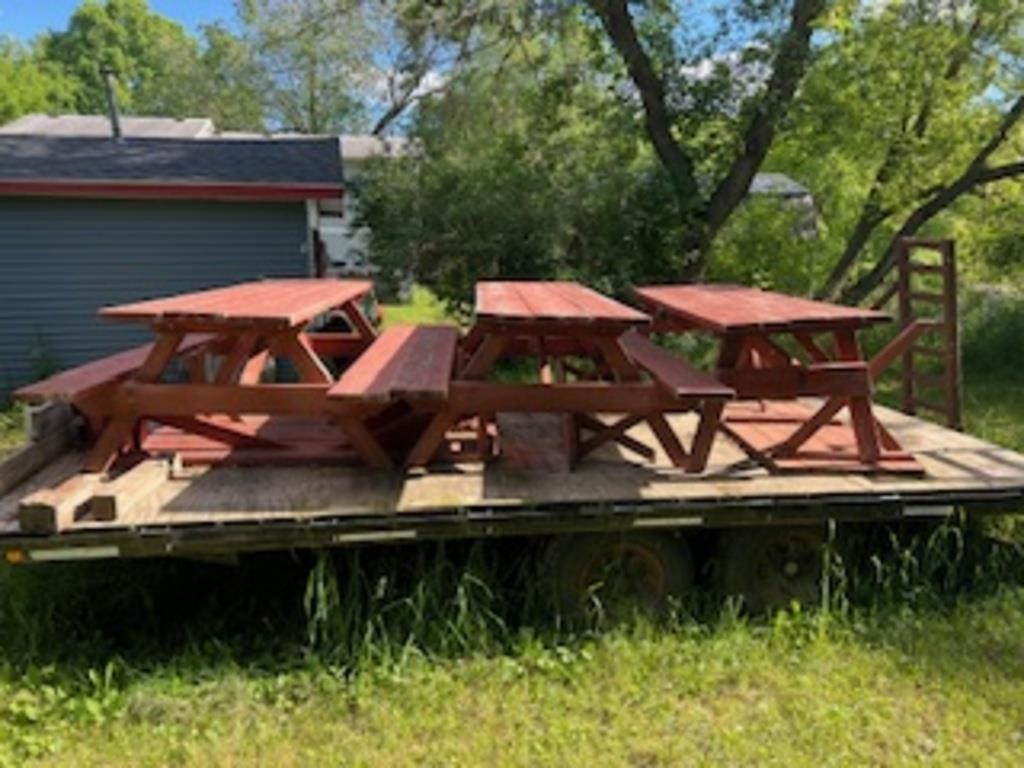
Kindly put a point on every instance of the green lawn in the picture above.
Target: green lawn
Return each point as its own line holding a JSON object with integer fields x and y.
{"x": 171, "y": 663}
{"x": 423, "y": 308}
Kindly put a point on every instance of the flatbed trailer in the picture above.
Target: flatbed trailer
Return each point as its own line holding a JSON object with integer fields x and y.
{"x": 232, "y": 509}
{"x": 637, "y": 531}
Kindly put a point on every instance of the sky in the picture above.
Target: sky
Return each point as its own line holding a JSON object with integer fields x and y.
{"x": 24, "y": 19}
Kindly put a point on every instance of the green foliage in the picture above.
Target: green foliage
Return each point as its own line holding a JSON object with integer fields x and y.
{"x": 12, "y": 428}
{"x": 537, "y": 173}
{"x": 770, "y": 243}
{"x": 422, "y": 308}
{"x": 315, "y": 55}
{"x": 29, "y": 84}
{"x": 895, "y": 106}
{"x": 145, "y": 50}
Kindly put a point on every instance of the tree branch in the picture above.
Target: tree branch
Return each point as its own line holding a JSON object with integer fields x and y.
{"x": 873, "y": 213}
{"x": 618, "y": 24}
{"x": 977, "y": 174}
{"x": 787, "y": 71}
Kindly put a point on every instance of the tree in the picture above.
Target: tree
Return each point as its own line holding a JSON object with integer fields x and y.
{"x": 705, "y": 213}
{"x": 893, "y": 119}
{"x": 317, "y": 60}
{"x": 223, "y": 82}
{"x": 30, "y": 85}
{"x": 144, "y": 49}
{"x": 709, "y": 133}
{"x": 536, "y": 173}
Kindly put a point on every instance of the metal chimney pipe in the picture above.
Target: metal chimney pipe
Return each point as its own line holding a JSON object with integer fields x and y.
{"x": 115, "y": 113}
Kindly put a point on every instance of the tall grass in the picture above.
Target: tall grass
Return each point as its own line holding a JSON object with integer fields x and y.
{"x": 372, "y": 607}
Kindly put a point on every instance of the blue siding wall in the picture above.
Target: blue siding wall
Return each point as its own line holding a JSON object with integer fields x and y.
{"x": 61, "y": 260}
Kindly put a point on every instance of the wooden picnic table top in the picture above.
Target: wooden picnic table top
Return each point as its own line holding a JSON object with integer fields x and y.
{"x": 726, "y": 308}
{"x": 564, "y": 303}
{"x": 268, "y": 303}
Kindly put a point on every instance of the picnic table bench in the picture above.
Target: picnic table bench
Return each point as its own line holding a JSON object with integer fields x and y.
{"x": 405, "y": 365}
{"x": 771, "y": 351}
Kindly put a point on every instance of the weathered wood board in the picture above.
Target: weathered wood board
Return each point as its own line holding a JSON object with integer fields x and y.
{"x": 955, "y": 465}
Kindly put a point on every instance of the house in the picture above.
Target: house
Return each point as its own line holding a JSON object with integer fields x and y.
{"x": 89, "y": 220}
{"x": 346, "y": 242}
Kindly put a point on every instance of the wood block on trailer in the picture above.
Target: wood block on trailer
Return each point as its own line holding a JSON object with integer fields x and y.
{"x": 50, "y": 510}
{"x": 116, "y": 498}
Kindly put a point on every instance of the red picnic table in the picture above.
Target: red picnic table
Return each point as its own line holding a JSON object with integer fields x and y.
{"x": 772, "y": 351}
{"x": 592, "y": 363}
{"x": 246, "y": 324}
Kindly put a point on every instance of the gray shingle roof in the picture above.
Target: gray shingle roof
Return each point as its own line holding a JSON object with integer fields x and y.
{"x": 171, "y": 161}
{"x": 99, "y": 125}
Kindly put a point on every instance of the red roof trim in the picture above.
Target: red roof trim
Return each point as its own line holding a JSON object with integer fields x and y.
{"x": 167, "y": 191}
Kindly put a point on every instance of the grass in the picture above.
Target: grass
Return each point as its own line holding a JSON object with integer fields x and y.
{"x": 12, "y": 428}
{"x": 445, "y": 655}
{"x": 423, "y": 308}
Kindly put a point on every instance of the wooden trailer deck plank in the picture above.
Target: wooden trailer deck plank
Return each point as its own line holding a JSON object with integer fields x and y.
{"x": 955, "y": 464}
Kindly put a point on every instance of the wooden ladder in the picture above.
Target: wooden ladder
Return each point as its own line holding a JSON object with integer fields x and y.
{"x": 942, "y": 322}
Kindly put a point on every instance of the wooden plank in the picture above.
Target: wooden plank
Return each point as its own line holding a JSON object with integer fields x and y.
{"x": 556, "y": 300}
{"x": 405, "y": 362}
{"x": 346, "y": 345}
{"x": 115, "y": 499}
{"x": 31, "y": 457}
{"x": 232, "y": 399}
{"x": 219, "y": 502}
{"x": 570, "y": 397}
{"x": 722, "y": 308}
{"x": 51, "y": 510}
{"x": 825, "y": 379}
{"x": 898, "y": 346}
{"x": 273, "y": 303}
{"x": 675, "y": 374}
{"x": 79, "y": 382}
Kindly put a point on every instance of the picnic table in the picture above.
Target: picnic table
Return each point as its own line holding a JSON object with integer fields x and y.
{"x": 592, "y": 363}
{"x": 245, "y": 325}
{"x": 775, "y": 349}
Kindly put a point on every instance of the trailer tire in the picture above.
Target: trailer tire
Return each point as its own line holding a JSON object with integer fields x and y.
{"x": 610, "y": 578}
{"x": 771, "y": 568}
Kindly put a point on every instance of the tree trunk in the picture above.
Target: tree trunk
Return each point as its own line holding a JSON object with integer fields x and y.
{"x": 788, "y": 68}
{"x": 704, "y": 219}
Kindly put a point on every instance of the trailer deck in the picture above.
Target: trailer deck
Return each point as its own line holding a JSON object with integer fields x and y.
{"x": 223, "y": 510}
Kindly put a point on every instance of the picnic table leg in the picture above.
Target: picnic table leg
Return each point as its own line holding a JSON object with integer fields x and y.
{"x": 236, "y": 359}
{"x": 360, "y": 324}
{"x": 709, "y": 417}
{"x": 861, "y": 415}
{"x": 730, "y": 354}
{"x": 431, "y": 439}
{"x": 119, "y": 429}
{"x": 485, "y": 356}
{"x": 295, "y": 346}
{"x": 668, "y": 439}
{"x": 253, "y": 370}
{"x": 364, "y": 442}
